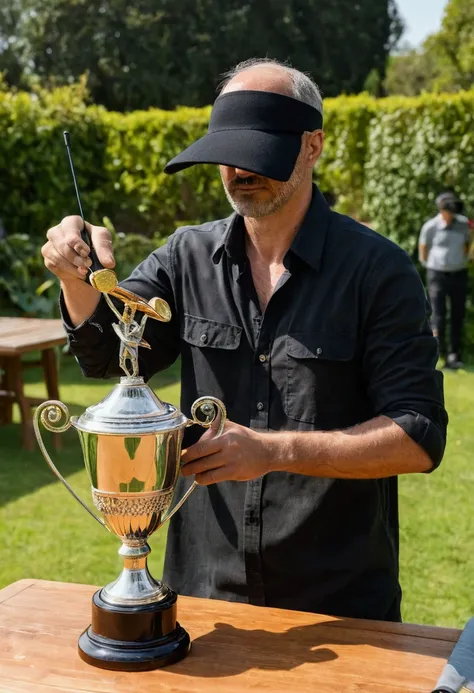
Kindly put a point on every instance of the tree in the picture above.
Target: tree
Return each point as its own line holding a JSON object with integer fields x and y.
{"x": 453, "y": 46}
{"x": 169, "y": 52}
{"x": 411, "y": 73}
{"x": 446, "y": 60}
{"x": 10, "y": 44}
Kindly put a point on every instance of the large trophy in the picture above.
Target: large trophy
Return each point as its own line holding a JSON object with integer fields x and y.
{"x": 131, "y": 442}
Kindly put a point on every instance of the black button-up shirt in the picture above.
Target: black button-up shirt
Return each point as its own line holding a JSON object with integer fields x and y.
{"x": 344, "y": 338}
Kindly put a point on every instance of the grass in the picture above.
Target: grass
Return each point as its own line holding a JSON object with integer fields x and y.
{"x": 437, "y": 532}
{"x": 46, "y": 534}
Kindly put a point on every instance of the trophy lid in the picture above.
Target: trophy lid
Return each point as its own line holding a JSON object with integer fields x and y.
{"x": 131, "y": 408}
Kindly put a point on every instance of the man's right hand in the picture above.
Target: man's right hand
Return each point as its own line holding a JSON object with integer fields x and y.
{"x": 67, "y": 256}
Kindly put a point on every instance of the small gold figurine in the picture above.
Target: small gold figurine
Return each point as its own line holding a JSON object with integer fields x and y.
{"x": 105, "y": 281}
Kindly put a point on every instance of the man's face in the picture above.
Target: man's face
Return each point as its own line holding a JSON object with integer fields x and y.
{"x": 255, "y": 196}
{"x": 448, "y": 216}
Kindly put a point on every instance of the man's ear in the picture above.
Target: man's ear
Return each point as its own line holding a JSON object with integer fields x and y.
{"x": 314, "y": 146}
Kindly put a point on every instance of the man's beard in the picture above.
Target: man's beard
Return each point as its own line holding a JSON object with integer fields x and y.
{"x": 257, "y": 209}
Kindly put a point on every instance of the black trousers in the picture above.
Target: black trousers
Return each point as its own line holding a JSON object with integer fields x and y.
{"x": 451, "y": 286}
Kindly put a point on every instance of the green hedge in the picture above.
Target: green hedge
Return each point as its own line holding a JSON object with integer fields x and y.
{"x": 416, "y": 148}
{"x": 386, "y": 160}
{"x": 35, "y": 189}
{"x": 119, "y": 161}
{"x": 341, "y": 168}
{"x": 145, "y": 198}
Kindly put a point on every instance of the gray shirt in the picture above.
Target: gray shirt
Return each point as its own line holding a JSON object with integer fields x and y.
{"x": 446, "y": 244}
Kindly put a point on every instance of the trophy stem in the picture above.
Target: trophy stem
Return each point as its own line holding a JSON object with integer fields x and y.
{"x": 135, "y": 585}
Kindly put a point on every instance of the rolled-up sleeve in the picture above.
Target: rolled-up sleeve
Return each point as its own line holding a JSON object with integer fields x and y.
{"x": 400, "y": 354}
{"x": 95, "y": 344}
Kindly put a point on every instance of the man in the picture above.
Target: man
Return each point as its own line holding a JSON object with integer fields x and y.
{"x": 444, "y": 250}
{"x": 313, "y": 330}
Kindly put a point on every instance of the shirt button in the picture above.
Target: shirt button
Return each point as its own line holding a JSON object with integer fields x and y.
{"x": 203, "y": 338}
{"x": 319, "y": 351}
{"x": 260, "y": 406}
{"x": 262, "y": 358}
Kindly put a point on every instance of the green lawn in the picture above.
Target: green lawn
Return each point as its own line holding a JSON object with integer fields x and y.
{"x": 46, "y": 534}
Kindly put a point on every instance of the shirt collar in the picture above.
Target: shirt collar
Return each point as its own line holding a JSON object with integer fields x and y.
{"x": 308, "y": 244}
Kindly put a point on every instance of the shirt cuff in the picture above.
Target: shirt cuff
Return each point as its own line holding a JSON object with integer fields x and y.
{"x": 94, "y": 342}
{"x": 423, "y": 431}
{"x": 100, "y": 317}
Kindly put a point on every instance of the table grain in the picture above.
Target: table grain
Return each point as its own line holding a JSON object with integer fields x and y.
{"x": 236, "y": 648}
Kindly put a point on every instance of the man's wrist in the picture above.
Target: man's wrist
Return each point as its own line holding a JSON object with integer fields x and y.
{"x": 80, "y": 300}
{"x": 281, "y": 451}
{"x": 72, "y": 283}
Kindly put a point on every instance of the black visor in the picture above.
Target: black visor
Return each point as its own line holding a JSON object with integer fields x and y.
{"x": 257, "y": 131}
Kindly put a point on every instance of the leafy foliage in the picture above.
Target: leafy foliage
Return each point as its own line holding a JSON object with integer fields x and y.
{"x": 454, "y": 47}
{"x": 139, "y": 146}
{"x": 342, "y": 165}
{"x": 445, "y": 62}
{"x": 386, "y": 159}
{"x": 164, "y": 53}
{"x": 411, "y": 73}
{"x": 26, "y": 287}
{"x": 416, "y": 148}
{"x": 34, "y": 183}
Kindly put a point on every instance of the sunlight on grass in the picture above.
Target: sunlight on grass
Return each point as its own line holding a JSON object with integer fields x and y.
{"x": 436, "y": 512}
{"x": 46, "y": 534}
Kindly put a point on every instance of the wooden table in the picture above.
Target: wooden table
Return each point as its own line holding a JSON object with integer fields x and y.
{"x": 236, "y": 648}
{"x": 19, "y": 336}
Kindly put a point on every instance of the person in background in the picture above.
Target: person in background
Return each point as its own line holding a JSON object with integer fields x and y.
{"x": 444, "y": 247}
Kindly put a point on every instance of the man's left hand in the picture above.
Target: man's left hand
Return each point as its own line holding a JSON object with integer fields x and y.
{"x": 239, "y": 454}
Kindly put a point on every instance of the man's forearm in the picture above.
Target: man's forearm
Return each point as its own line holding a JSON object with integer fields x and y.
{"x": 81, "y": 300}
{"x": 375, "y": 449}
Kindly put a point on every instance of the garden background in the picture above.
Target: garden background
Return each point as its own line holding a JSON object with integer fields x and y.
{"x": 385, "y": 160}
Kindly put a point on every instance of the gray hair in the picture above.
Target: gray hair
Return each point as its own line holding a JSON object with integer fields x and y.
{"x": 302, "y": 85}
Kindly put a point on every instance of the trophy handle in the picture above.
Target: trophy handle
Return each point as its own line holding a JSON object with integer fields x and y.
{"x": 50, "y": 414}
{"x": 210, "y": 407}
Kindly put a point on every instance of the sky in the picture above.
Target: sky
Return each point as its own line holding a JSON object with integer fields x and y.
{"x": 422, "y": 17}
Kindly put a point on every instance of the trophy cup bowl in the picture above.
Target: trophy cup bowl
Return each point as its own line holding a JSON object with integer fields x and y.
{"x": 131, "y": 442}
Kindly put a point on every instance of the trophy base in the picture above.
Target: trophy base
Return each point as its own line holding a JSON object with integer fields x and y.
{"x": 134, "y": 638}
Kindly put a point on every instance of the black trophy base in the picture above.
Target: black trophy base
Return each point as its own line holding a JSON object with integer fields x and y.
{"x": 136, "y": 638}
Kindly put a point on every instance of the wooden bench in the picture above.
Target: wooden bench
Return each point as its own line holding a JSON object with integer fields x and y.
{"x": 19, "y": 336}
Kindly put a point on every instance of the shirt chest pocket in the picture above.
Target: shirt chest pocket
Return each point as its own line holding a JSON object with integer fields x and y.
{"x": 210, "y": 353}
{"x": 320, "y": 375}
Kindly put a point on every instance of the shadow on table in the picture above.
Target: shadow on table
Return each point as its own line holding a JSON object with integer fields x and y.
{"x": 216, "y": 652}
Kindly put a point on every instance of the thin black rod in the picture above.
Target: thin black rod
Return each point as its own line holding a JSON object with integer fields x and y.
{"x": 67, "y": 142}
{"x": 95, "y": 264}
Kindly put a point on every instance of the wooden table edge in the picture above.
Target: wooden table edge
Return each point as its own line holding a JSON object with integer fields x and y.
{"x": 16, "y": 351}
{"x": 14, "y": 588}
{"x": 429, "y": 632}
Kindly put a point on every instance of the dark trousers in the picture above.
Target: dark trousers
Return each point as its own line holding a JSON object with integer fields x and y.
{"x": 452, "y": 286}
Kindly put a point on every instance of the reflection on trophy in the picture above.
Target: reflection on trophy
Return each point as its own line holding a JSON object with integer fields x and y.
{"x": 131, "y": 442}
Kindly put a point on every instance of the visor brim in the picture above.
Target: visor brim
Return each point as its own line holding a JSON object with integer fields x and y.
{"x": 269, "y": 154}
